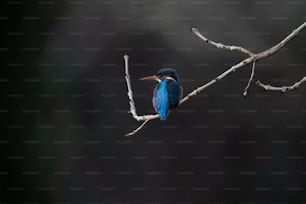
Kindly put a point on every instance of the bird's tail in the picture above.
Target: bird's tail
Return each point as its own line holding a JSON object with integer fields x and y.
{"x": 163, "y": 114}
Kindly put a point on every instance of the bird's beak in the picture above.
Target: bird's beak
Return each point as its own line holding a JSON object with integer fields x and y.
{"x": 151, "y": 78}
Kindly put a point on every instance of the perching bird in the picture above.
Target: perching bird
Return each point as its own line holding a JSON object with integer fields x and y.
{"x": 167, "y": 93}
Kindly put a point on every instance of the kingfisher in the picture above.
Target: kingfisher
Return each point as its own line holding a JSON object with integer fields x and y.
{"x": 167, "y": 93}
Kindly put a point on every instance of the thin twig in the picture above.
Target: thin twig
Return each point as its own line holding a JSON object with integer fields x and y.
{"x": 246, "y": 89}
{"x": 281, "y": 44}
{"x": 130, "y": 95}
{"x": 283, "y": 89}
{"x": 218, "y": 78}
{"x": 220, "y": 45}
{"x": 137, "y": 129}
{"x": 251, "y": 59}
{"x": 145, "y": 118}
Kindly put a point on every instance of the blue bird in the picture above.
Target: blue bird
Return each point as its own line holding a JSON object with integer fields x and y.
{"x": 167, "y": 93}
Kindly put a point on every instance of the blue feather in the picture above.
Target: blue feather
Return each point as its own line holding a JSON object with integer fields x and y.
{"x": 175, "y": 93}
{"x": 161, "y": 99}
{"x": 167, "y": 93}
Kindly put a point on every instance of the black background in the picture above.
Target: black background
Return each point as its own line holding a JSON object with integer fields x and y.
{"x": 64, "y": 108}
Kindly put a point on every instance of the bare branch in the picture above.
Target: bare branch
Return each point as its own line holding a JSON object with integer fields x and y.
{"x": 283, "y": 89}
{"x": 281, "y": 44}
{"x": 218, "y": 78}
{"x": 220, "y": 45}
{"x": 250, "y": 80}
{"x": 253, "y": 58}
{"x": 137, "y": 129}
{"x": 130, "y": 95}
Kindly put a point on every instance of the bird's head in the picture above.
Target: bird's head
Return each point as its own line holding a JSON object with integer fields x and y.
{"x": 162, "y": 74}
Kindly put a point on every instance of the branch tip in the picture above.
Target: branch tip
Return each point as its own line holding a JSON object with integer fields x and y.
{"x": 194, "y": 29}
{"x": 137, "y": 129}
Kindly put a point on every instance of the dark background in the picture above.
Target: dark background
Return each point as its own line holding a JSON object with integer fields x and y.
{"x": 64, "y": 108}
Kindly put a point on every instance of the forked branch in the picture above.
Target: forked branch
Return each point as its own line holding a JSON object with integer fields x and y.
{"x": 253, "y": 58}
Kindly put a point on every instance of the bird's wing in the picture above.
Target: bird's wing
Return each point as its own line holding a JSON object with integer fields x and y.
{"x": 175, "y": 92}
